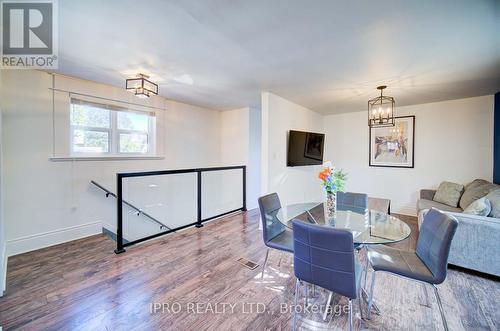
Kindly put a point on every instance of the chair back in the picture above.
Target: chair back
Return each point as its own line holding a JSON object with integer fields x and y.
{"x": 354, "y": 200}
{"x": 269, "y": 206}
{"x": 324, "y": 256}
{"x": 434, "y": 241}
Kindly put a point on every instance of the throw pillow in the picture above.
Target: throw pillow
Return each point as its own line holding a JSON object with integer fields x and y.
{"x": 476, "y": 183}
{"x": 494, "y": 198}
{"x": 472, "y": 194}
{"x": 449, "y": 193}
{"x": 480, "y": 207}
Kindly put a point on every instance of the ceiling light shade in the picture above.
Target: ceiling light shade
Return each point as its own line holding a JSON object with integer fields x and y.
{"x": 381, "y": 110}
{"x": 141, "y": 86}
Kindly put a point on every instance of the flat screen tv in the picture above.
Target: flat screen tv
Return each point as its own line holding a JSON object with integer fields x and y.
{"x": 305, "y": 148}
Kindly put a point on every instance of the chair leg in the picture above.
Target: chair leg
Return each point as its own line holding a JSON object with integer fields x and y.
{"x": 264, "y": 265}
{"x": 328, "y": 301}
{"x": 366, "y": 271}
{"x": 370, "y": 301}
{"x": 306, "y": 294}
{"x": 438, "y": 298}
{"x": 350, "y": 314}
{"x": 297, "y": 286}
{"x": 360, "y": 298}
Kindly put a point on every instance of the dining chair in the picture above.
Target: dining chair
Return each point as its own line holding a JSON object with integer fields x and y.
{"x": 357, "y": 200}
{"x": 324, "y": 256}
{"x": 349, "y": 201}
{"x": 428, "y": 264}
{"x": 275, "y": 234}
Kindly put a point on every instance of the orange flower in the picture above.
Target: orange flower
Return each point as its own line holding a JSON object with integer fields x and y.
{"x": 324, "y": 174}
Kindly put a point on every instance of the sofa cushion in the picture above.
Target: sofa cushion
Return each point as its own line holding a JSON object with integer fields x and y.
{"x": 494, "y": 198}
{"x": 428, "y": 204}
{"x": 480, "y": 207}
{"x": 473, "y": 193}
{"x": 449, "y": 193}
{"x": 476, "y": 183}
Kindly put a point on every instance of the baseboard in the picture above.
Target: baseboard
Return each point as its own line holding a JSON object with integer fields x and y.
{"x": 50, "y": 238}
{"x": 112, "y": 235}
{"x": 3, "y": 276}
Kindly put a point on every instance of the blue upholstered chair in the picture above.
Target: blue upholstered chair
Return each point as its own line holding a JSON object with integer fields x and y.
{"x": 428, "y": 264}
{"x": 275, "y": 234}
{"x": 358, "y": 201}
{"x": 324, "y": 257}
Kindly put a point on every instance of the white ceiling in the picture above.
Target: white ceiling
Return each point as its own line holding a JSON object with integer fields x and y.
{"x": 325, "y": 55}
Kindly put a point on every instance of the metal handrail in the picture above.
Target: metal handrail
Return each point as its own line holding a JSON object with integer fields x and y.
{"x": 138, "y": 210}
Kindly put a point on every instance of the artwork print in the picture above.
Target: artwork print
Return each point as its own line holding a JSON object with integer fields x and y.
{"x": 393, "y": 146}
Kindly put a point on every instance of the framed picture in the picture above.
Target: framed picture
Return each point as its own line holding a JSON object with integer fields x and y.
{"x": 393, "y": 146}
{"x": 314, "y": 146}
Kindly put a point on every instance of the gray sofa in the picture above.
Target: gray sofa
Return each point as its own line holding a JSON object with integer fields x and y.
{"x": 476, "y": 244}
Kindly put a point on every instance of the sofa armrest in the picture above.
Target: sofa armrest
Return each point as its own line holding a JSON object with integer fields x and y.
{"x": 467, "y": 218}
{"x": 474, "y": 219}
{"x": 475, "y": 238}
{"x": 427, "y": 194}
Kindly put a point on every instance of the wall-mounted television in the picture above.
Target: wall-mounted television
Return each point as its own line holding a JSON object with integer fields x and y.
{"x": 305, "y": 148}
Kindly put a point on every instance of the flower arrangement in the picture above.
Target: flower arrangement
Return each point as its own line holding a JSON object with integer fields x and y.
{"x": 333, "y": 180}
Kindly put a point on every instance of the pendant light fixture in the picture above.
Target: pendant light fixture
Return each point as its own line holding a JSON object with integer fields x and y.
{"x": 141, "y": 86}
{"x": 381, "y": 110}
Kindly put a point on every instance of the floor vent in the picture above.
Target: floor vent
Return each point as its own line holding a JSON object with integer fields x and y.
{"x": 247, "y": 263}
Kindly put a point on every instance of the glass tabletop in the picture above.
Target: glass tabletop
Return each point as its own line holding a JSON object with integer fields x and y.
{"x": 367, "y": 226}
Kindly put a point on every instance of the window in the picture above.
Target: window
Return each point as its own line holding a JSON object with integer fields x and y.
{"x": 105, "y": 130}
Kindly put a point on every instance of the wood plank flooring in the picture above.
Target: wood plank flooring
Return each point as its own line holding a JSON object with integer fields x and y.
{"x": 83, "y": 285}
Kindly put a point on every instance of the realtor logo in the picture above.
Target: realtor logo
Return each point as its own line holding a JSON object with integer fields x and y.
{"x": 29, "y": 34}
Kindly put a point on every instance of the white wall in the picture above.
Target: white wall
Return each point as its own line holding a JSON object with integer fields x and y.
{"x": 235, "y": 126}
{"x": 50, "y": 202}
{"x": 254, "y": 150}
{"x": 293, "y": 184}
{"x": 3, "y": 250}
{"x": 453, "y": 142}
{"x": 240, "y": 145}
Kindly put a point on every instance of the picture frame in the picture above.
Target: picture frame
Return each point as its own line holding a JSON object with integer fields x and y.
{"x": 393, "y": 146}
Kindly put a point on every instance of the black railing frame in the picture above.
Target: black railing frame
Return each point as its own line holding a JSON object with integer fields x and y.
{"x": 120, "y": 245}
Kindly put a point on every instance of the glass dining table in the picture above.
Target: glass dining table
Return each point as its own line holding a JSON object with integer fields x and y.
{"x": 368, "y": 227}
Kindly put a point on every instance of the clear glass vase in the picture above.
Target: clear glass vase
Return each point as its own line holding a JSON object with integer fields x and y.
{"x": 331, "y": 205}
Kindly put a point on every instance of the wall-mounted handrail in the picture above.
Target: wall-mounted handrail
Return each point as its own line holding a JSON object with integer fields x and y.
{"x": 120, "y": 245}
{"x": 138, "y": 210}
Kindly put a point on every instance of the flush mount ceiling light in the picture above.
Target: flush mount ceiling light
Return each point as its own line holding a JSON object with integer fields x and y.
{"x": 141, "y": 86}
{"x": 381, "y": 110}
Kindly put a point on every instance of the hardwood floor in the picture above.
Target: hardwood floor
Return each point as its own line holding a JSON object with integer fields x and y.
{"x": 83, "y": 285}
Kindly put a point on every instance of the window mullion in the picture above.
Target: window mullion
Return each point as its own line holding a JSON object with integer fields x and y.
{"x": 152, "y": 135}
{"x": 90, "y": 128}
{"x": 114, "y": 135}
